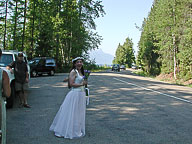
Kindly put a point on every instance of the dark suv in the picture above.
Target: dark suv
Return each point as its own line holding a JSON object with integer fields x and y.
{"x": 116, "y": 67}
{"x": 42, "y": 65}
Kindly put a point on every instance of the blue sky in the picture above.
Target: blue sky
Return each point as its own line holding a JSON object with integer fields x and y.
{"x": 119, "y": 22}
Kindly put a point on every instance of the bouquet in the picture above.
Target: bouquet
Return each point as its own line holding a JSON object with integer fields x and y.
{"x": 87, "y": 73}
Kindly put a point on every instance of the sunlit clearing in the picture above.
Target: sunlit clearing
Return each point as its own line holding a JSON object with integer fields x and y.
{"x": 35, "y": 87}
{"x": 103, "y": 89}
{"x": 130, "y": 110}
{"x": 93, "y": 109}
{"x": 59, "y": 86}
{"x": 176, "y": 103}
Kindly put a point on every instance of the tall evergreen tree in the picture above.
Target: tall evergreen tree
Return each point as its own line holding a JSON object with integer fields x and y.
{"x": 125, "y": 54}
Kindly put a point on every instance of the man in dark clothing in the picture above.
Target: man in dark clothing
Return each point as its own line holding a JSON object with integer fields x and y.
{"x": 21, "y": 78}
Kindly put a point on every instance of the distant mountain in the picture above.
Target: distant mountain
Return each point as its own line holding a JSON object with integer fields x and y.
{"x": 101, "y": 57}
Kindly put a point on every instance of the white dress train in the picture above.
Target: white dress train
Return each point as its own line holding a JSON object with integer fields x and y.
{"x": 69, "y": 121}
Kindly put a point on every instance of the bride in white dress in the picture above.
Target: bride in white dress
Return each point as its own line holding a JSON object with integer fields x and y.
{"x": 69, "y": 121}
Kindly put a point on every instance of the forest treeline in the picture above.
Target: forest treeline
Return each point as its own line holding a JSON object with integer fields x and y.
{"x": 165, "y": 44}
{"x": 62, "y": 29}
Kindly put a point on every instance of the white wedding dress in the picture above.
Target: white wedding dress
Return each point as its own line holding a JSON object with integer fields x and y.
{"x": 69, "y": 121}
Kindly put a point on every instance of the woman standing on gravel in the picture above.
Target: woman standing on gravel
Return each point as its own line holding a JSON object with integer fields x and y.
{"x": 69, "y": 121}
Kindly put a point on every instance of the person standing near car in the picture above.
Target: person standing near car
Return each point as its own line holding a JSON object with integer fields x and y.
{"x": 21, "y": 78}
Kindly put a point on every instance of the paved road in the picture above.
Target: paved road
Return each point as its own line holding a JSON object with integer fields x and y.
{"x": 124, "y": 109}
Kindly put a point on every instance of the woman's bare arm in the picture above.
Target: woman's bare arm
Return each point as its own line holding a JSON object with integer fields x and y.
{"x": 6, "y": 85}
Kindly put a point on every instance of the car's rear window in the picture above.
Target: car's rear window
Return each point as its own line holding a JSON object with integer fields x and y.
{"x": 50, "y": 62}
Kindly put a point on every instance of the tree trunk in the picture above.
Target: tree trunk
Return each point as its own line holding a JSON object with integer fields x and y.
{"x": 4, "y": 43}
{"x": 174, "y": 44}
{"x": 32, "y": 30}
{"x": 15, "y": 26}
{"x": 23, "y": 37}
{"x": 57, "y": 36}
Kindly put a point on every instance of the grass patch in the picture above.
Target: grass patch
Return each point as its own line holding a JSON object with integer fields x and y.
{"x": 142, "y": 73}
{"x": 190, "y": 85}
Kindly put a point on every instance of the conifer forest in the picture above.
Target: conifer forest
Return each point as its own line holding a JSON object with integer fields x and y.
{"x": 62, "y": 29}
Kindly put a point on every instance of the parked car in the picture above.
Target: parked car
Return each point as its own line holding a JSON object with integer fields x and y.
{"x": 7, "y": 57}
{"x": 116, "y": 67}
{"x": 122, "y": 67}
{"x": 134, "y": 67}
{"x": 42, "y": 65}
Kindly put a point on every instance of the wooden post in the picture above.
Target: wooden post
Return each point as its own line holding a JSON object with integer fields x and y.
{"x": 3, "y": 120}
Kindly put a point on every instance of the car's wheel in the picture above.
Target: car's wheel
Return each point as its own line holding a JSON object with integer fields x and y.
{"x": 34, "y": 73}
{"x": 10, "y": 100}
{"x": 52, "y": 73}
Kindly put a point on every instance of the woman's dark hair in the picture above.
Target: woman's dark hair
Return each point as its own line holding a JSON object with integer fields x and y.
{"x": 73, "y": 68}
